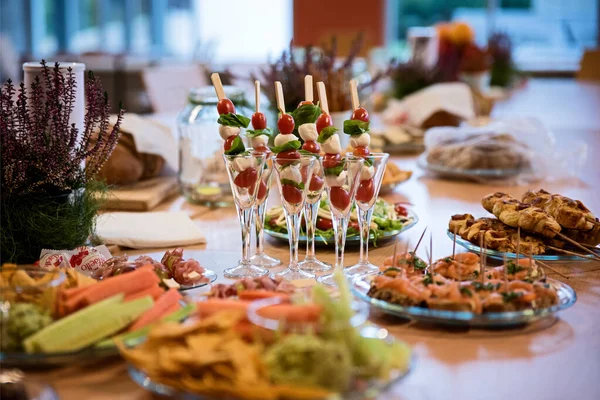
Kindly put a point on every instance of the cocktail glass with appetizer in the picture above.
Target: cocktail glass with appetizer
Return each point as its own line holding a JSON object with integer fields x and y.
{"x": 259, "y": 138}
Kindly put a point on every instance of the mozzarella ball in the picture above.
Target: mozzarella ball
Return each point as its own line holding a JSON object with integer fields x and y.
{"x": 333, "y": 181}
{"x": 367, "y": 172}
{"x": 259, "y": 141}
{"x": 281, "y": 139}
{"x": 292, "y": 173}
{"x": 226, "y": 131}
{"x": 364, "y": 139}
{"x": 332, "y": 145}
{"x": 240, "y": 164}
{"x": 308, "y": 132}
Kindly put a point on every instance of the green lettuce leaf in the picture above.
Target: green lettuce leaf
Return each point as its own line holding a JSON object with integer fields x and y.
{"x": 234, "y": 120}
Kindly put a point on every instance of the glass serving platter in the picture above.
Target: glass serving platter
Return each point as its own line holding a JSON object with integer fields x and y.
{"x": 500, "y": 255}
{"x": 354, "y": 239}
{"x": 476, "y": 174}
{"x": 211, "y": 275}
{"x": 360, "y": 388}
{"x": 566, "y": 298}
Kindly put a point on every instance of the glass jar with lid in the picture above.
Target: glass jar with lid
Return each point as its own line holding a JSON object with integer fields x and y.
{"x": 202, "y": 174}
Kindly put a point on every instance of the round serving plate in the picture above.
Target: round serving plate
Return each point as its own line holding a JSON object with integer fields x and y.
{"x": 500, "y": 255}
{"x": 566, "y": 298}
{"x": 476, "y": 174}
{"x": 361, "y": 389}
{"x": 87, "y": 356}
{"x": 352, "y": 239}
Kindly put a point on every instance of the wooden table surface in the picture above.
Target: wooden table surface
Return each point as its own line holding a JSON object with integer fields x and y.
{"x": 559, "y": 359}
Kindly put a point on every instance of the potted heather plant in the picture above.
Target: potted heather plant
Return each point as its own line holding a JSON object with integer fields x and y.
{"x": 50, "y": 196}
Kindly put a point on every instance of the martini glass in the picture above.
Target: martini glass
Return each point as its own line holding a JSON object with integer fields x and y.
{"x": 260, "y": 258}
{"x": 245, "y": 175}
{"x": 366, "y": 196}
{"x": 293, "y": 178}
{"x": 311, "y": 211}
{"x": 341, "y": 183}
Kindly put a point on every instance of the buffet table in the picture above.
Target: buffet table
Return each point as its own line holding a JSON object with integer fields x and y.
{"x": 552, "y": 360}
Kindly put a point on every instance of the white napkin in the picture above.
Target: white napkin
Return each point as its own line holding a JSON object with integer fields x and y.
{"x": 148, "y": 229}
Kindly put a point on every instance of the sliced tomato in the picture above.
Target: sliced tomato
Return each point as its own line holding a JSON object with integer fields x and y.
{"x": 362, "y": 151}
{"x": 312, "y": 146}
{"x": 228, "y": 142}
{"x": 339, "y": 197}
{"x": 259, "y": 121}
{"x": 286, "y": 124}
{"x": 400, "y": 210}
{"x": 366, "y": 191}
{"x": 287, "y": 157}
{"x": 246, "y": 178}
{"x": 324, "y": 121}
{"x": 324, "y": 223}
{"x": 360, "y": 114}
{"x": 291, "y": 194}
{"x": 316, "y": 183}
{"x": 225, "y": 106}
{"x": 331, "y": 160}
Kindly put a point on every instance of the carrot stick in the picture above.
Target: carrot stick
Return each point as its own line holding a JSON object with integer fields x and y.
{"x": 251, "y": 295}
{"x": 161, "y": 307}
{"x": 292, "y": 312}
{"x": 129, "y": 283}
{"x": 212, "y": 306}
{"x": 153, "y": 291}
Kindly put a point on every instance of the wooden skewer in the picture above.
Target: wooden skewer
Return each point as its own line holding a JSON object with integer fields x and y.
{"x": 419, "y": 242}
{"x": 323, "y": 97}
{"x": 216, "y": 81}
{"x": 567, "y": 252}
{"x": 431, "y": 254}
{"x": 591, "y": 247}
{"x": 257, "y": 95}
{"x": 279, "y": 97}
{"x": 308, "y": 88}
{"x": 574, "y": 243}
{"x": 548, "y": 267}
{"x": 354, "y": 94}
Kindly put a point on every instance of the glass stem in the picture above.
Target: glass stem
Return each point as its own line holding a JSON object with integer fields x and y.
{"x": 259, "y": 224}
{"x": 246, "y": 224}
{"x": 340, "y": 225}
{"x": 364, "y": 223}
{"x": 311, "y": 212}
{"x": 293, "y": 223}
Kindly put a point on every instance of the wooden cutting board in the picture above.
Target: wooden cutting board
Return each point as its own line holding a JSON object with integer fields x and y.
{"x": 141, "y": 196}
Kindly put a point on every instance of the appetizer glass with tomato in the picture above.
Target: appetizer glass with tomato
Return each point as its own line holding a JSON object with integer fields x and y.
{"x": 342, "y": 177}
{"x": 245, "y": 172}
{"x": 293, "y": 174}
{"x": 311, "y": 212}
{"x": 366, "y": 196}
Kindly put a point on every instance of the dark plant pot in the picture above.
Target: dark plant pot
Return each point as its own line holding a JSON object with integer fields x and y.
{"x": 34, "y": 222}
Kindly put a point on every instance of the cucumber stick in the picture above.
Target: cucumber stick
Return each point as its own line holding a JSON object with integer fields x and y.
{"x": 88, "y": 326}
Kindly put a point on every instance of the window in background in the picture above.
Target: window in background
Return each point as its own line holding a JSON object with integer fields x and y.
{"x": 545, "y": 33}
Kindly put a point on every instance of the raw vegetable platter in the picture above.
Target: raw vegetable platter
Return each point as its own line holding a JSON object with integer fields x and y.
{"x": 388, "y": 221}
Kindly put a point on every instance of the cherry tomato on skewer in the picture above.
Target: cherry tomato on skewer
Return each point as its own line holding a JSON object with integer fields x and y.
{"x": 324, "y": 223}
{"x": 229, "y": 142}
{"x": 316, "y": 183}
{"x": 331, "y": 160}
{"x": 360, "y": 114}
{"x": 366, "y": 191}
{"x": 262, "y": 191}
{"x": 324, "y": 121}
{"x": 225, "y": 106}
{"x": 339, "y": 197}
{"x": 305, "y": 102}
{"x": 246, "y": 178}
{"x": 259, "y": 121}
{"x": 312, "y": 146}
{"x": 287, "y": 157}
{"x": 362, "y": 151}
{"x": 291, "y": 194}
{"x": 286, "y": 124}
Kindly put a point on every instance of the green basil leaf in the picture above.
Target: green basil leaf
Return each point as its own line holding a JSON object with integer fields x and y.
{"x": 355, "y": 127}
{"x": 369, "y": 161}
{"x": 237, "y": 147}
{"x": 306, "y": 114}
{"x": 297, "y": 185}
{"x": 234, "y": 120}
{"x": 334, "y": 171}
{"x": 258, "y": 132}
{"x": 293, "y": 145}
{"x": 307, "y": 153}
{"x": 326, "y": 133}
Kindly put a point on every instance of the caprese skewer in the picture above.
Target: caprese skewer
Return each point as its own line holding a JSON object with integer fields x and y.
{"x": 308, "y": 132}
{"x": 358, "y": 129}
{"x": 333, "y": 166}
{"x": 259, "y": 138}
{"x": 286, "y": 147}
